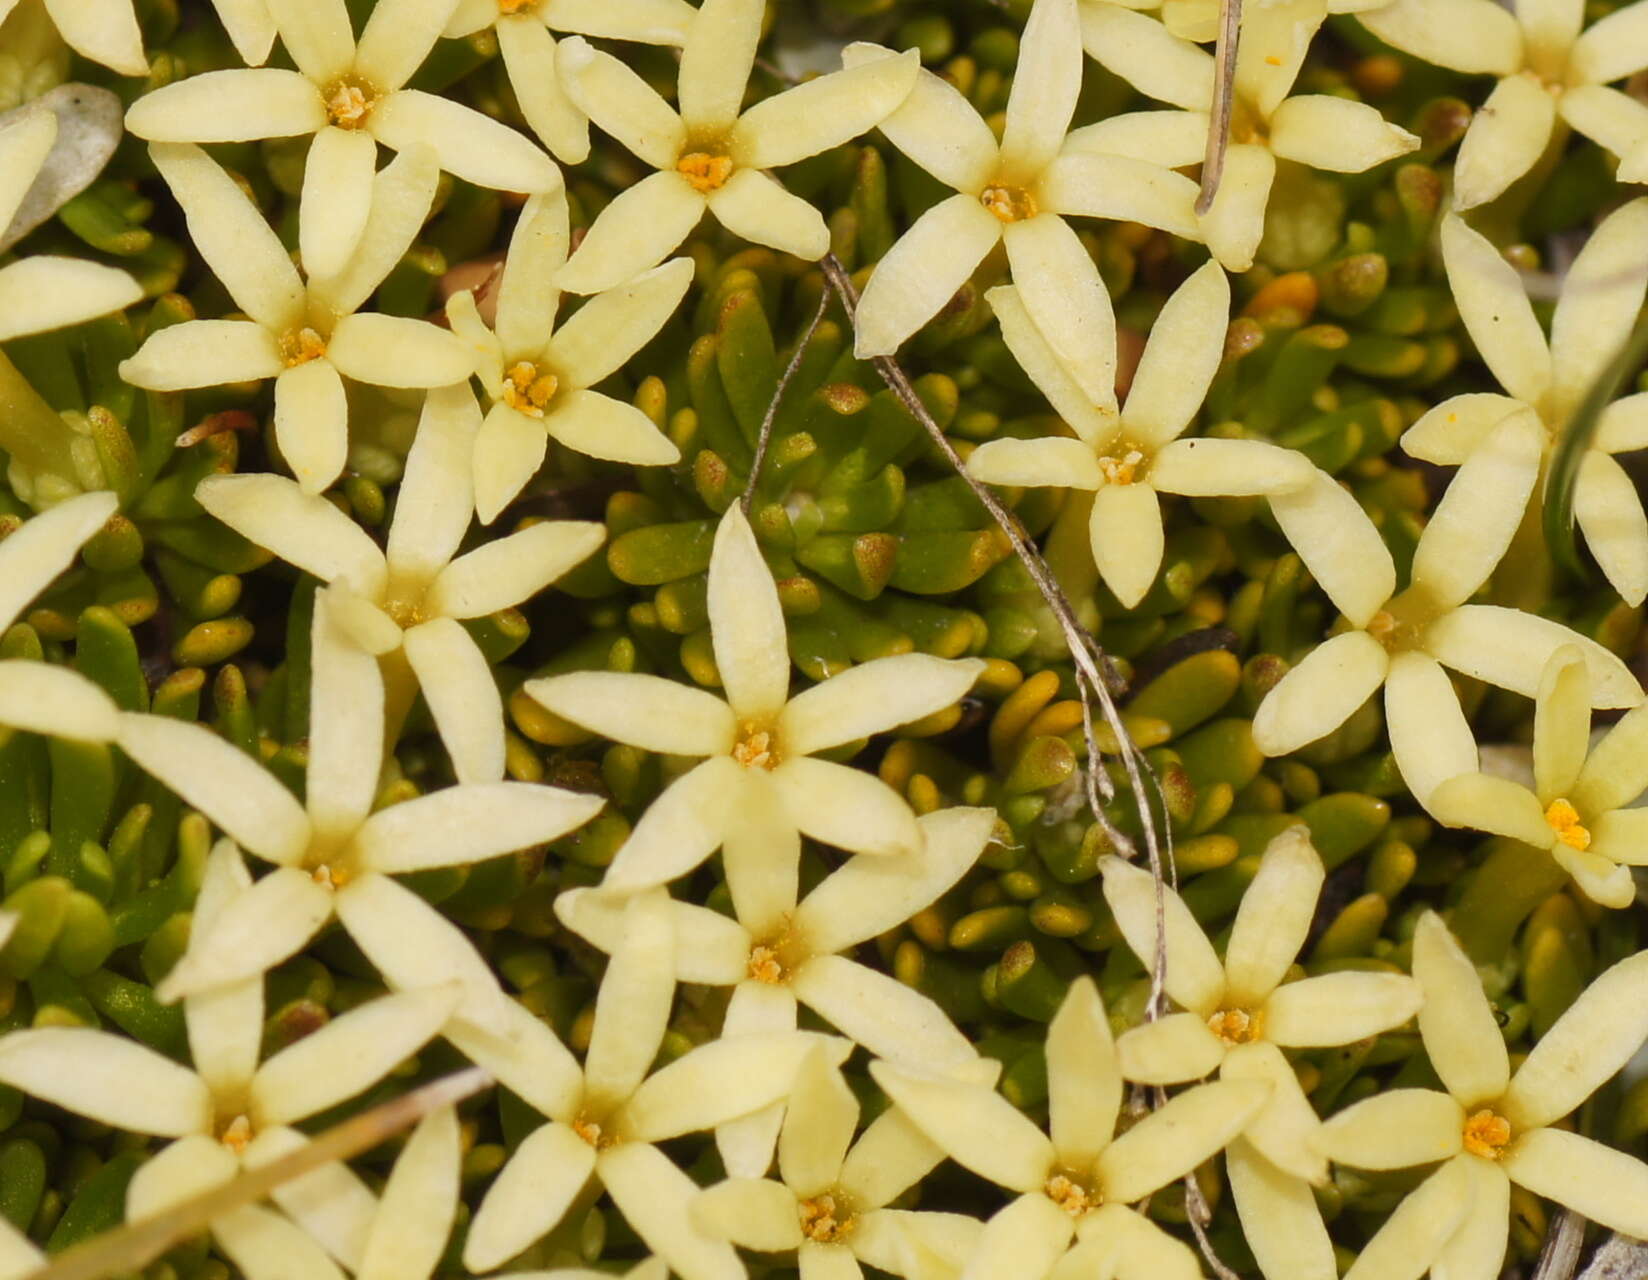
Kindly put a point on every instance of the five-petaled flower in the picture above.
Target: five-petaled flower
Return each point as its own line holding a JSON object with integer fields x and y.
{"x": 350, "y": 94}
{"x": 709, "y": 155}
{"x": 538, "y": 376}
{"x": 1494, "y": 1128}
{"x": 406, "y": 603}
{"x": 1576, "y": 806}
{"x": 1127, "y": 458}
{"x": 760, "y": 789}
{"x": 307, "y": 337}
{"x": 1601, "y": 296}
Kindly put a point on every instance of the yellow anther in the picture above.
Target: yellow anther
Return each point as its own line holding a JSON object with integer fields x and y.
{"x": 1487, "y": 1134}
{"x": 528, "y": 390}
{"x": 765, "y": 966}
{"x": 1235, "y": 1026}
{"x": 237, "y": 1134}
{"x": 591, "y": 1133}
{"x": 755, "y": 748}
{"x": 1564, "y": 820}
{"x": 705, "y": 170}
{"x": 823, "y": 1220}
{"x": 300, "y": 346}
{"x": 513, "y": 6}
{"x": 1123, "y": 469}
{"x": 1070, "y": 1195}
{"x": 1010, "y": 204}
{"x": 347, "y": 105}
{"x": 329, "y": 877}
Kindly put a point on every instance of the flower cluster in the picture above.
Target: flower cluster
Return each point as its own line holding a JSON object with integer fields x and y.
{"x": 721, "y": 676}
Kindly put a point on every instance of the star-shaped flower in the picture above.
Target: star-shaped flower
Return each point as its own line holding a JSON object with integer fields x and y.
{"x": 229, "y": 1113}
{"x": 760, "y": 789}
{"x": 830, "y": 1202}
{"x": 1576, "y": 807}
{"x": 1546, "y": 68}
{"x": 1403, "y": 641}
{"x": 1267, "y": 125}
{"x": 326, "y": 849}
{"x": 795, "y": 956}
{"x": 530, "y": 57}
{"x": 46, "y": 291}
{"x": 1494, "y": 1128}
{"x": 1239, "y": 1013}
{"x": 1017, "y": 193}
{"x": 538, "y": 377}
{"x": 1081, "y": 1181}
{"x": 351, "y": 96}
{"x": 711, "y": 156}
{"x": 1602, "y": 293}
{"x": 1126, "y": 458}
{"x": 105, "y": 31}
{"x": 409, "y": 599}
{"x": 309, "y": 336}
{"x": 605, "y": 1118}
{"x": 43, "y": 697}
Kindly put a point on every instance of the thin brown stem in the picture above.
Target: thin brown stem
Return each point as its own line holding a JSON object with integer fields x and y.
{"x": 764, "y": 437}
{"x": 1224, "y": 95}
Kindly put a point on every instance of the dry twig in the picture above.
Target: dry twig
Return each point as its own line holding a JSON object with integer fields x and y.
{"x": 1224, "y": 93}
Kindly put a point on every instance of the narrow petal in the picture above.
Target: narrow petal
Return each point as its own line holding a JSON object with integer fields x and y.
{"x": 231, "y": 235}
{"x": 1451, "y": 432}
{"x": 1272, "y": 49}
{"x": 317, "y": 35}
{"x": 1505, "y": 140}
{"x": 709, "y": 947}
{"x": 1340, "y": 546}
{"x": 621, "y": 102}
{"x": 1624, "y": 424}
{"x": 1587, "y": 1045}
{"x": 1601, "y": 296}
{"x": 1610, "y": 515}
{"x": 936, "y": 126}
{"x": 1429, "y": 735}
{"x": 602, "y": 335}
{"x": 105, "y": 31}
{"x": 758, "y": 209}
{"x": 823, "y": 112}
{"x": 873, "y": 697}
{"x": 1339, "y": 1008}
{"x": 410, "y": 943}
{"x": 1139, "y": 49}
{"x": 224, "y": 783}
{"x": 1336, "y": 134}
{"x": 1084, "y": 1081}
{"x": 633, "y": 1005}
{"x": 1210, "y": 467}
{"x": 468, "y": 823}
{"x": 846, "y": 807}
{"x": 1484, "y": 802}
{"x": 1477, "y": 1248}
{"x": 1092, "y": 420}
{"x": 266, "y": 1246}
{"x": 868, "y": 896}
{"x": 106, "y": 1078}
{"x": 1126, "y": 535}
{"x": 1455, "y": 1022}
{"x": 229, "y": 106}
{"x": 1603, "y": 882}
{"x": 396, "y": 351}
{"x": 645, "y": 711}
{"x": 1171, "y": 138}
{"x": 680, "y": 828}
{"x": 332, "y": 1205}
{"x": 435, "y": 500}
{"x": 1319, "y": 694}
{"x": 1024, "y": 1239}
{"x": 1055, "y": 460}
{"x": 1122, "y": 189}
{"x": 1274, "y": 917}
{"x": 525, "y": 1056}
{"x": 1235, "y": 224}
{"x": 747, "y": 1143}
{"x": 921, "y": 273}
{"x": 1170, "y": 1050}
{"x": 635, "y": 232}
{"x": 471, "y": 146}
{"x": 397, "y": 38}
{"x": 45, "y": 292}
{"x": 271, "y": 922}
{"x": 1420, "y": 1227}
{"x": 345, "y": 728}
{"x": 1612, "y": 119}
{"x": 760, "y": 854}
{"x": 530, "y": 1195}
{"x": 1183, "y": 352}
{"x": 312, "y": 423}
{"x": 179, "y": 356}
{"x": 1612, "y": 775}
{"x": 419, "y": 1203}
{"x": 1065, "y": 297}
{"x": 1621, "y": 836}
{"x": 978, "y": 1127}
{"x": 1395, "y": 1130}
{"x": 178, "y": 1171}
{"x": 302, "y": 529}
{"x": 1509, "y": 648}
{"x": 337, "y": 177}
{"x": 225, "y": 1026}
{"x": 1120, "y": 1241}
{"x": 530, "y": 56}
{"x": 889, "y": 1019}
{"x": 45, "y": 545}
{"x": 753, "y": 1212}
{"x": 509, "y": 449}
{"x": 403, "y": 192}
{"x": 1610, "y": 49}
{"x": 511, "y": 570}
{"x": 656, "y": 1200}
{"x": 746, "y": 623}
{"x": 250, "y": 28}
{"x": 1473, "y": 524}
{"x": 462, "y": 696}
{"x": 599, "y": 426}
{"x": 1284, "y": 1129}
{"x": 1606, "y": 1186}
{"x": 1178, "y": 1136}
{"x": 1046, "y": 84}
{"x": 1194, "y": 976}
{"x": 1494, "y": 306}
{"x": 56, "y": 701}
{"x": 1474, "y": 36}
{"x": 818, "y": 1127}
{"x": 890, "y": 1156}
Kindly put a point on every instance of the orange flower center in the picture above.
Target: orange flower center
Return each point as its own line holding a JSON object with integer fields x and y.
{"x": 591, "y": 1132}
{"x": 1564, "y": 820}
{"x": 1487, "y": 1134}
{"x": 348, "y": 104}
{"x": 528, "y": 390}
{"x": 330, "y": 877}
{"x": 1235, "y": 1026}
{"x": 1122, "y": 467}
{"x": 705, "y": 170}
{"x": 514, "y": 6}
{"x": 1070, "y": 1195}
{"x": 765, "y": 966}
{"x": 756, "y": 748}
{"x": 824, "y": 1219}
{"x": 1009, "y": 204}
{"x": 300, "y": 346}
{"x": 237, "y": 1134}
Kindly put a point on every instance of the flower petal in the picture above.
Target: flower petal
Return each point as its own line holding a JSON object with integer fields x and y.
{"x": 471, "y": 146}
{"x": 1139, "y": 49}
{"x": 1319, "y": 694}
{"x": 1211, "y": 467}
{"x": 1484, "y": 802}
{"x": 345, "y": 728}
{"x": 511, "y": 570}
{"x": 681, "y": 828}
{"x": 1455, "y": 1022}
{"x": 846, "y": 807}
{"x": 716, "y": 62}
{"x": 1172, "y": 1049}
{"x": 590, "y": 423}
{"x": 1621, "y": 836}
{"x": 935, "y": 126}
{"x": 760, "y": 855}
{"x": 269, "y": 923}
{"x": 1176, "y": 1137}
{"x": 1610, "y": 515}
{"x": 709, "y": 948}
{"x": 337, "y": 176}
{"x": 1194, "y": 976}
{"x": 1283, "y": 1131}
{"x": 1336, "y": 134}
{"x": 746, "y": 623}
{"x": 250, "y": 28}
{"x": 818, "y": 1127}
{"x": 529, "y": 1196}
{"x": 419, "y": 1203}
{"x": 1624, "y": 424}
{"x": 1126, "y": 535}
{"x": 612, "y": 326}
{"x": 823, "y": 112}
{"x": 1506, "y": 137}
{"x": 1061, "y": 290}
{"x": 312, "y": 423}
{"x": 1509, "y": 648}
{"x": 1606, "y": 1186}
{"x": 1045, "y": 86}
{"x": 1056, "y": 461}
{"x": 317, "y": 35}
{"x": 1422, "y": 1226}
{"x": 1477, "y": 1247}
{"x": 178, "y": 357}
{"x": 235, "y": 105}
{"x": 1122, "y": 189}
{"x": 1274, "y": 917}
{"x": 45, "y": 292}
{"x": 402, "y": 193}
{"x": 721, "y": 1080}
{"x": 1235, "y": 223}
{"x": 1494, "y": 306}
{"x": 1092, "y": 421}
{"x": 641, "y": 226}
{"x": 632, "y": 1006}
{"x": 1339, "y": 1008}
{"x": 525, "y": 1056}
{"x": 753, "y": 1212}
{"x": 530, "y": 57}
{"x": 332, "y": 1205}
{"x": 1024, "y": 1239}
{"x": 396, "y": 351}
{"x": 44, "y": 546}
{"x": 397, "y": 38}
{"x": 1448, "y": 433}
{"x": 610, "y": 93}
{"x": 266, "y": 1246}
{"x": 757, "y": 208}
{"x": 873, "y": 697}
{"x": 921, "y": 273}
{"x": 656, "y": 1199}
{"x": 1613, "y": 773}
{"x": 509, "y": 449}
{"x": 57, "y": 701}
{"x": 1183, "y": 352}
{"x": 411, "y": 943}
{"x": 1474, "y": 36}
{"x": 105, "y": 31}
{"x": 1562, "y": 723}
{"x": 1084, "y": 1082}
{"x": 978, "y": 1127}
{"x": 468, "y": 823}
{"x": 1602, "y": 294}
{"x": 178, "y": 1171}
{"x": 1600, "y": 880}
{"x": 645, "y": 711}
{"x": 463, "y": 699}
{"x": 1171, "y": 138}
{"x": 106, "y": 1078}
{"x": 1340, "y": 546}
{"x": 1429, "y": 735}
{"x": 303, "y": 529}
{"x": 1395, "y": 1130}
{"x": 874, "y": 1009}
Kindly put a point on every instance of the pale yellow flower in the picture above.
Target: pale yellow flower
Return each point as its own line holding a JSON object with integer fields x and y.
{"x": 1547, "y": 69}
{"x": 710, "y": 157}
{"x": 1267, "y": 125}
{"x": 760, "y": 787}
{"x": 1128, "y": 457}
{"x": 105, "y": 31}
{"x": 1016, "y": 193}
{"x": 1602, "y": 293}
{"x": 1081, "y": 1181}
{"x": 1494, "y": 1128}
